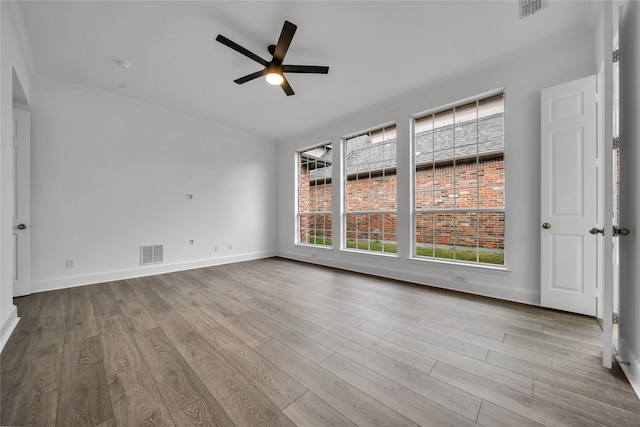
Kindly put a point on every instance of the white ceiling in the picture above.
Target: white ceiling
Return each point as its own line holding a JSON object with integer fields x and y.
{"x": 375, "y": 50}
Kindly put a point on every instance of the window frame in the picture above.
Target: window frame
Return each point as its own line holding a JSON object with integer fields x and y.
{"x": 373, "y": 173}
{"x": 414, "y": 244}
{"x": 327, "y": 213}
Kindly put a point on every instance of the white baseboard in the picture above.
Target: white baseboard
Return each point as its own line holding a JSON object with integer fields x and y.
{"x": 471, "y": 287}
{"x": 8, "y": 326}
{"x": 632, "y": 370}
{"x": 109, "y": 276}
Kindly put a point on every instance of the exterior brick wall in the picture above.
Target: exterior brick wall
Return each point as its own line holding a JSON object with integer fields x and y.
{"x": 377, "y": 193}
{"x": 468, "y": 185}
{"x": 459, "y": 228}
{"x": 448, "y": 188}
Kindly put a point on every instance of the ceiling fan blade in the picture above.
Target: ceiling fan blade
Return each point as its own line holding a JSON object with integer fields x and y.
{"x": 235, "y": 46}
{"x": 286, "y": 35}
{"x": 287, "y": 88}
{"x": 316, "y": 69}
{"x": 250, "y": 77}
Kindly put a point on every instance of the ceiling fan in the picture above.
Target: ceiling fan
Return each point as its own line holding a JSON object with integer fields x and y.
{"x": 274, "y": 70}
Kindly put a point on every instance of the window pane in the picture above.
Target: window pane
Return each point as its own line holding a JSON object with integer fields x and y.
{"x": 322, "y": 229}
{"x": 350, "y": 227}
{"x": 444, "y": 198}
{"x": 443, "y": 132}
{"x": 389, "y": 233}
{"x": 491, "y": 230}
{"x": 443, "y": 229}
{"x": 466, "y": 173}
{"x": 423, "y": 140}
{"x": 370, "y": 190}
{"x": 466, "y": 226}
{"x": 358, "y": 237}
{"x": 314, "y": 196}
{"x": 467, "y": 198}
{"x": 303, "y": 236}
{"x": 424, "y": 199}
{"x": 425, "y": 237}
{"x": 466, "y": 130}
{"x": 459, "y": 182}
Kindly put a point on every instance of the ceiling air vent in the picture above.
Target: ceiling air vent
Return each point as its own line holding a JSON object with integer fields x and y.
{"x": 151, "y": 254}
{"x": 529, "y": 7}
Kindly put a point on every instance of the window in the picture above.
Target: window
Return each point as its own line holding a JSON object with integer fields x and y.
{"x": 370, "y": 191}
{"x": 459, "y": 183}
{"x": 314, "y": 196}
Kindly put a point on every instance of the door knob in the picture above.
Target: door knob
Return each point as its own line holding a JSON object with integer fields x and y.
{"x": 620, "y": 231}
{"x": 546, "y": 226}
{"x": 21, "y": 226}
{"x": 596, "y": 230}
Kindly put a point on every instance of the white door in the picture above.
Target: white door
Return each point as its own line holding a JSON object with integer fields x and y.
{"x": 569, "y": 196}
{"x": 21, "y": 199}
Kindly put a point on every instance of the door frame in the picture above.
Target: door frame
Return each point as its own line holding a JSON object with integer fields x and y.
{"x": 21, "y": 247}
{"x": 606, "y": 123}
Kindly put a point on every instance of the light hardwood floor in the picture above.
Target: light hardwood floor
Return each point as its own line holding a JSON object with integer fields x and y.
{"x": 280, "y": 343}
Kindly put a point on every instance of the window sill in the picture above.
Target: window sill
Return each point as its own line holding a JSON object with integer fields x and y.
{"x": 321, "y": 247}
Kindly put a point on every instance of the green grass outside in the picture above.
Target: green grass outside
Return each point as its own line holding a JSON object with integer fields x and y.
{"x": 460, "y": 255}
{"x": 319, "y": 241}
{"x": 372, "y": 246}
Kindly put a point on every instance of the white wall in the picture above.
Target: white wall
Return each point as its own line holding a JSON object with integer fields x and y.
{"x": 110, "y": 174}
{"x": 12, "y": 61}
{"x": 522, "y": 74}
{"x": 629, "y": 328}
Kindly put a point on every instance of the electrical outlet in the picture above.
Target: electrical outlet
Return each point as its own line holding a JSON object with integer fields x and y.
{"x": 71, "y": 263}
{"x": 230, "y": 247}
{"x": 458, "y": 277}
{"x": 216, "y": 248}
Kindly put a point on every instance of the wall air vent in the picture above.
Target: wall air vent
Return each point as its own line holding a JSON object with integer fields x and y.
{"x": 151, "y": 254}
{"x": 529, "y": 7}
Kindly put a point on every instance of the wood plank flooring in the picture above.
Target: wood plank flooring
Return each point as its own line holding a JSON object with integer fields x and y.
{"x": 281, "y": 343}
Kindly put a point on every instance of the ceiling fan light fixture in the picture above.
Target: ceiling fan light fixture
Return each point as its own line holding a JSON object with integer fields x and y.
{"x": 274, "y": 70}
{"x": 274, "y": 78}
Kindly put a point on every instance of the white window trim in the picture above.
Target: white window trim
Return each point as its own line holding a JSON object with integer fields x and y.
{"x": 444, "y": 262}
{"x": 343, "y": 205}
{"x": 297, "y": 213}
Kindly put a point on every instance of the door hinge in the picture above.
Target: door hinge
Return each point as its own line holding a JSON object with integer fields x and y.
{"x": 616, "y": 318}
{"x": 616, "y": 55}
{"x": 620, "y": 361}
{"x": 616, "y": 143}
